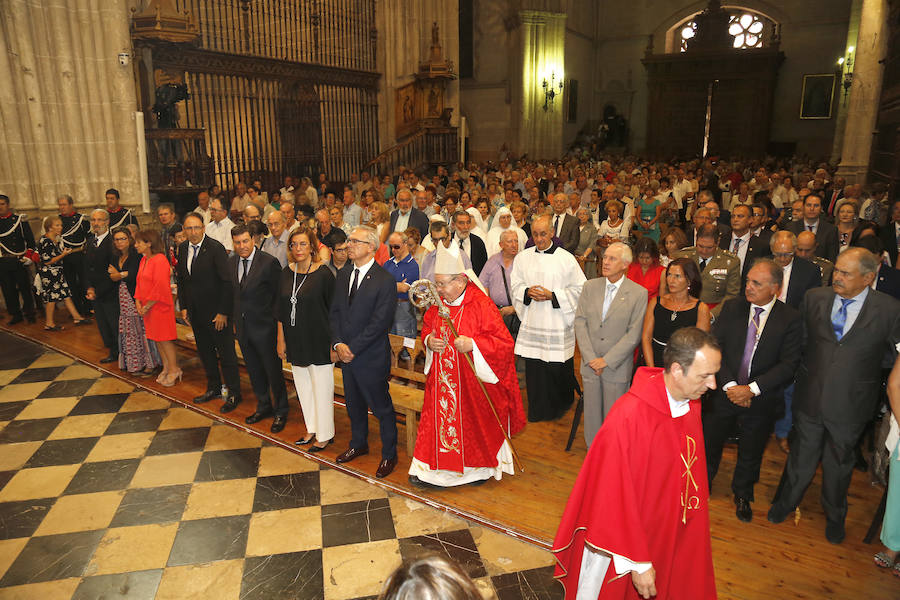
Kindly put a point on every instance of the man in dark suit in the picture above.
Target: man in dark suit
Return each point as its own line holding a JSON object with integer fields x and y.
{"x": 889, "y": 234}
{"x": 760, "y": 340}
{"x": 255, "y": 278}
{"x": 800, "y": 275}
{"x": 407, "y": 215}
{"x": 826, "y": 233}
{"x": 206, "y": 301}
{"x": 100, "y": 289}
{"x": 760, "y": 223}
{"x": 742, "y": 243}
{"x": 848, "y": 330}
{"x": 361, "y": 316}
{"x": 472, "y": 245}
{"x": 721, "y": 219}
{"x": 565, "y": 226}
{"x": 887, "y": 279}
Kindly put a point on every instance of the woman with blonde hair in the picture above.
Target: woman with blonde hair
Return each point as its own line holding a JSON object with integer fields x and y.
{"x": 304, "y": 335}
{"x": 54, "y": 287}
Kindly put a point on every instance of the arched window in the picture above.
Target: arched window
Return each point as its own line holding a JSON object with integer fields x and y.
{"x": 748, "y": 30}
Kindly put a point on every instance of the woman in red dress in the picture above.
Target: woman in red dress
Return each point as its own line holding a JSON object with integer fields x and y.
{"x": 153, "y": 300}
{"x": 646, "y": 270}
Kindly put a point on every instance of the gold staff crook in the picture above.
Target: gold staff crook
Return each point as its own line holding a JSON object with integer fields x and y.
{"x": 423, "y": 294}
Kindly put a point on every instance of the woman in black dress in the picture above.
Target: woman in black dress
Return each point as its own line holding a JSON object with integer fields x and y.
{"x": 304, "y": 334}
{"x": 54, "y": 287}
{"x": 678, "y": 308}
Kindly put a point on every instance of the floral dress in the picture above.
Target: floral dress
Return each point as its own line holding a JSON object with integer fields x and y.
{"x": 53, "y": 282}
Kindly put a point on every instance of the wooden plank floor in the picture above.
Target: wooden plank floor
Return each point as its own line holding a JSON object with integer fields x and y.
{"x": 756, "y": 560}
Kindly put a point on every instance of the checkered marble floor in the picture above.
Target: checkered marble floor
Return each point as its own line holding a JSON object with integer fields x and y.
{"x": 107, "y": 491}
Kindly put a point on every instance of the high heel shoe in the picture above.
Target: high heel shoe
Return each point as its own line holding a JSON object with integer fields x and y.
{"x": 315, "y": 448}
{"x": 162, "y": 376}
{"x": 169, "y": 381}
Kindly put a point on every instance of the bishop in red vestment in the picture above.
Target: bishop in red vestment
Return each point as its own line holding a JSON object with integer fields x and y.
{"x": 637, "y": 521}
{"x": 459, "y": 441}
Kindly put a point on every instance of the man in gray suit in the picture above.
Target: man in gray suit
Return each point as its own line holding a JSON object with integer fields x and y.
{"x": 608, "y": 324}
{"x": 565, "y": 226}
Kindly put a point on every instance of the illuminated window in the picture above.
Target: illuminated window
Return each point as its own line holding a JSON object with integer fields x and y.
{"x": 747, "y": 29}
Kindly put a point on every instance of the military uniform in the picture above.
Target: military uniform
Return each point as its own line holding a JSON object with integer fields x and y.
{"x": 16, "y": 238}
{"x": 826, "y": 267}
{"x": 121, "y": 218}
{"x": 75, "y": 229}
{"x": 721, "y": 278}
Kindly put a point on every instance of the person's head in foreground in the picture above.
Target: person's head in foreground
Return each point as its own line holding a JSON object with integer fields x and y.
{"x": 691, "y": 360}
{"x": 429, "y": 578}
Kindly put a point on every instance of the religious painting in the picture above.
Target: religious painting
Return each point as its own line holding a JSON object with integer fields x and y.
{"x": 405, "y": 110}
{"x": 570, "y": 96}
{"x": 817, "y": 96}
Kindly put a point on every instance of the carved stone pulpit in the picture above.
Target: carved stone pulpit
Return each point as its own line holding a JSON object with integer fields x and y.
{"x": 420, "y": 104}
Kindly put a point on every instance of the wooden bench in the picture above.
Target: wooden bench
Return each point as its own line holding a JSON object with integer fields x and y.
{"x": 407, "y": 400}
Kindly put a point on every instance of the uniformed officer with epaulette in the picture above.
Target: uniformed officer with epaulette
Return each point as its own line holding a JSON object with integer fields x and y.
{"x": 16, "y": 238}
{"x": 720, "y": 270}
{"x": 75, "y": 231}
{"x": 119, "y": 216}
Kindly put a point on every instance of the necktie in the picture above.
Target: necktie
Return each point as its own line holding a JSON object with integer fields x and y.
{"x": 840, "y": 319}
{"x": 244, "y": 274}
{"x": 607, "y": 300}
{"x": 461, "y": 245}
{"x": 809, "y": 227}
{"x": 743, "y": 377}
{"x": 353, "y": 285}
{"x": 556, "y": 225}
{"x": 194, "y": 250}
{"x": 702, "y": 264}
{"x": 736, "y": 245}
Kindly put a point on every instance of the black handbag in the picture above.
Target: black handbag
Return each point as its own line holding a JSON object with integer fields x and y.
{"x": 511, "y": 320}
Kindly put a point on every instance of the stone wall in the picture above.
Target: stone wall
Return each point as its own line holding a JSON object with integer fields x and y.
{"x": 813, "y": 35}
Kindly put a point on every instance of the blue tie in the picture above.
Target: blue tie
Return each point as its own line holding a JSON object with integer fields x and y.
{"x": 840, "y": 319}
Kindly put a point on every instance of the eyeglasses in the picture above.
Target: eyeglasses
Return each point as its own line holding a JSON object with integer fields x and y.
{"x": 355, "y": 241}
{"x": 782, "y": 254}
{"x": 340, "y": 249}
{"x": 299, "y": 244}
{"x": 396, "y": 246}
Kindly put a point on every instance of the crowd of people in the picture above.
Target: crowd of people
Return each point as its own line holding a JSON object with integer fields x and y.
{"x": 777, "y": 278}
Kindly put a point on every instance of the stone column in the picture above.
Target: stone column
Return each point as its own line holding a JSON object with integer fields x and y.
{"x": 839, "y": 98}
{"x": 865, "y": 91}
{"x": 543, "y": 37}
{"x": 66, "y": 105}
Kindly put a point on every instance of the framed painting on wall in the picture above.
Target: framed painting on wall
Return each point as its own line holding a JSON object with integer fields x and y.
{"x": 405, "y": 110}
{"x": 817, "y": 96}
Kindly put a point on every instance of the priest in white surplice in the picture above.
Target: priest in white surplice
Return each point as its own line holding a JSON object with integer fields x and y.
{"x": 546, "y": 283}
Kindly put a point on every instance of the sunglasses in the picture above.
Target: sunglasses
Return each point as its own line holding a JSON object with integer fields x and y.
{"x": 396, "y": 246}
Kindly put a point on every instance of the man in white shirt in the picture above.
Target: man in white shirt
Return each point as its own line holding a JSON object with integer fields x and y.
{"x": 203, "y": 207}
{"x": 352, "y": 210}
{"x": 219, "y": 228}
{"x": 276, "y": 243}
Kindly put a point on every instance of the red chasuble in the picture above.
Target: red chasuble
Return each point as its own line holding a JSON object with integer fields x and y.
{"x": 642, "y": 494}
{"x": 457, "y": 428}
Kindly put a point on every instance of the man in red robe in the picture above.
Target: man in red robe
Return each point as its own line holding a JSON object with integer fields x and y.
{"x": 640, "y": 504}
{"x": 459, "y": 441}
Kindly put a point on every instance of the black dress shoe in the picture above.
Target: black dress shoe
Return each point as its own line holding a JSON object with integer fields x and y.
{"x": 230, "y": 404}
{"x": 386, "y": 467}
{"x": 31, "y": 319}
{"x": 278, "y": 423}
{"x": 15, "y": 320}
{"x": 315, "y": 448}
{"x": 255, "y": 417}
{"x": 423, "y": 484}
{"x": 109, "y": 358}
{"x": 352, "y": 453}
{"x": 304, "y": 441}
{"x": 776, "y": 514}
{"x": 834, "y": 532}
{"x": 207, "y": 396}
{"x": 743, "y": 511}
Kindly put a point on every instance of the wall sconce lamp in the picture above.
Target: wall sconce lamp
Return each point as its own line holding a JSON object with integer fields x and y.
{"x": 550, "y": 92}
{"x": 847, "y": 64}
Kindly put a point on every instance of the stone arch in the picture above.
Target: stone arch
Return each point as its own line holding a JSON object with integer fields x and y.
{"x": 664, "y": 34}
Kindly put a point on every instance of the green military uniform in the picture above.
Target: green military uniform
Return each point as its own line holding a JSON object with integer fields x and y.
{"x": 721, "y": 278}
{"x": 826, "y": 267}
